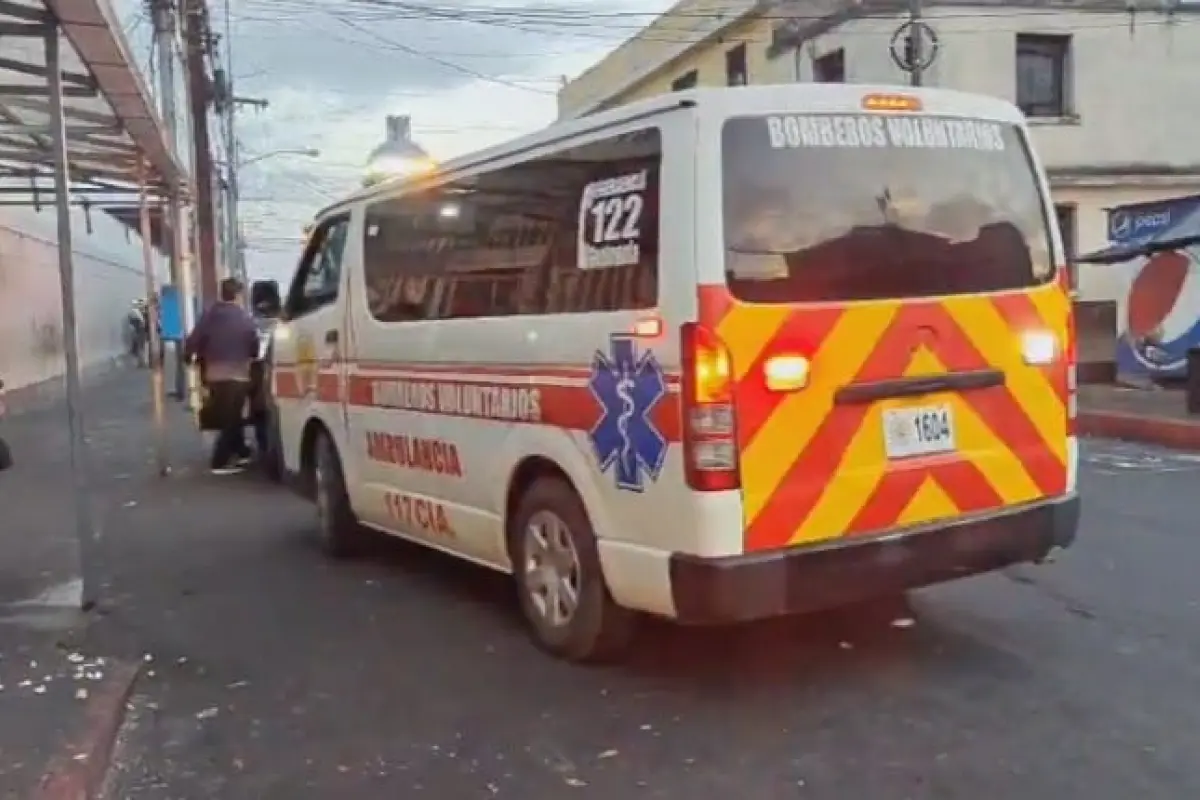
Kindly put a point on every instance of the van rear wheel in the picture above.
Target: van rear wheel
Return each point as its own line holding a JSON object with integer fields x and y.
{"x": 560, "y": 584}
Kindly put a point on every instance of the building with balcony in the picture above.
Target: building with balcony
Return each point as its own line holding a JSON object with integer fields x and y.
{"x": 1106, "y": 84}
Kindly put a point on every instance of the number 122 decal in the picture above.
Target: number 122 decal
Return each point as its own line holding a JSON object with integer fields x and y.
{"x": 610, "y": 221}
{"x": 617, "y": 219}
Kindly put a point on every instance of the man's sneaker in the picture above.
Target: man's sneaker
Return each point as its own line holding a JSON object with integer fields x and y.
{"x": 234, "y": 470}
{"x": 243, "y": 461}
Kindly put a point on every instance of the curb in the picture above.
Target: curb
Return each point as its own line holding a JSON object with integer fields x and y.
{"x": 1161, "y": 431}
{"x": 79, "y": 771}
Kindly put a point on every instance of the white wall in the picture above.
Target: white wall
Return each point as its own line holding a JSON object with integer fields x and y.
{"x": 108, "y": 274}
{"x": 1123, "y": 79}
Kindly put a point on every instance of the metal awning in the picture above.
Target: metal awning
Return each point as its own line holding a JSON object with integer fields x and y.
{"x": 111, "y": 125}
{"x": 78, "y": 126}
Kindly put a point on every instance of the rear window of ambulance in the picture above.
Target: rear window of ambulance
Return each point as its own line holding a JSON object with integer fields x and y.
{"x": 824, "y": 207}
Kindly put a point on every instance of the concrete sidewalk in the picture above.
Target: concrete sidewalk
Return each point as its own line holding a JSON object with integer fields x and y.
{"x": 1151, "y": 416}
{"x": 62, "y": 698}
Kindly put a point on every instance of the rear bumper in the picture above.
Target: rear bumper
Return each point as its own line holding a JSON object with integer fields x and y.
{"x": 743, "y": 588}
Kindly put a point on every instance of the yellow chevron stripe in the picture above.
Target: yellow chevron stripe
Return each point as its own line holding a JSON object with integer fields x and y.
{"x": 983, "y": 325}
{"x": 859, "y": 472}
{"x": 930, "y": 502}
{"x": 787, "y": 432}
{"x": 1053, "y": 306}
{"x": 746, "y": 330}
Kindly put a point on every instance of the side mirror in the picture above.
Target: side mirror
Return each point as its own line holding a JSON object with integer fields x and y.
{"x": 265, "y": 299}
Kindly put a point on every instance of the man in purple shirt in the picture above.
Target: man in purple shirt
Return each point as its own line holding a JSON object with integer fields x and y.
{"x": 225, "y": 342}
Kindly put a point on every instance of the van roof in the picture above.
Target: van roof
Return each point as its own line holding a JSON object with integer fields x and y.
{"x": 731, "y": 98}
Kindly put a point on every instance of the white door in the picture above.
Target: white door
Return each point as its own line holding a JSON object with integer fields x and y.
{"x": 309, "y": 361}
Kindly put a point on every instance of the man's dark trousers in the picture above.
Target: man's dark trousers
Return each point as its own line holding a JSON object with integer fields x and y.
{"x": 228, "y": 399}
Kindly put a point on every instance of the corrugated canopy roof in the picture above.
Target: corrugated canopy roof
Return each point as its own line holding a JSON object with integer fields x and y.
{"x": 109, "y": 112}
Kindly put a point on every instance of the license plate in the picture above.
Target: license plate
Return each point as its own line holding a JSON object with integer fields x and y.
{"x": 921, "y": 431}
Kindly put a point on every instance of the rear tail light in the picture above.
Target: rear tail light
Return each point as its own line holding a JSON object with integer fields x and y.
{"x": 709, "y": 436}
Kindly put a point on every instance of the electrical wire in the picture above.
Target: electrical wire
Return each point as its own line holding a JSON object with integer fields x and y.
{"x": 453, "y": 65}
{"x": 565, "y": 23}
{"x": 650, "y": 26}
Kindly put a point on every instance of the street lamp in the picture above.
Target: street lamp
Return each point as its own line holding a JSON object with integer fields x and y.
{"x": 237, "y": 248}
{"x": 398, "y": 156}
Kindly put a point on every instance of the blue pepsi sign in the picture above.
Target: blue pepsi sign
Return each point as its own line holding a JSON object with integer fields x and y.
{"x": 1137, "y": 224}
{"x": 170, "y": 314}
{"x": 1159, "y": 316}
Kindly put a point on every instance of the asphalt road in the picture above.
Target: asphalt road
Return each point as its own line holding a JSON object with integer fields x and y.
{"x": 272, "y": 673}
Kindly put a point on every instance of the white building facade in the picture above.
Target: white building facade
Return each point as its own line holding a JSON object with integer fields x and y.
{"x": 1109, "y": 92}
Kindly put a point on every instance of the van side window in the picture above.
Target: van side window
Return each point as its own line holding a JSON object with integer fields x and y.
{"x": 572, "y": 232}
{"x": 317, "y": 281}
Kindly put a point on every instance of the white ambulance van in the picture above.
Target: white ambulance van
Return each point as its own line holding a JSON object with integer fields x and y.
{"x": 715, "y": 356}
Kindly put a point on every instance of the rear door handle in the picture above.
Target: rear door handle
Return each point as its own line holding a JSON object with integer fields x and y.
{"x": 331, "y": 337}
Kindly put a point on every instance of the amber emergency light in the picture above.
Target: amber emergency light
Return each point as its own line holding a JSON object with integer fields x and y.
{"x": 891, "y": 102}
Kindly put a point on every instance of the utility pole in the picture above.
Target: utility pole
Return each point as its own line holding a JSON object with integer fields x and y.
{"x": 161, "y": 12}
{"x": 916, "y": 43}
{"x": 198, "y": 45}
{"x": 258, "y": 104}
{"x": 227, "y": 106}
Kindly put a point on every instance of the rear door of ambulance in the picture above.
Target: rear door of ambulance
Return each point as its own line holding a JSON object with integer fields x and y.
{"x": 895, "y": 321}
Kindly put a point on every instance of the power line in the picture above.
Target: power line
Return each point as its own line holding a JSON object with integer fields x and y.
{"x": 554, "y": 18}
{"x": 565, "y": 22}
{"x": 454, "y": 65}
{"x": 575, "y": 23}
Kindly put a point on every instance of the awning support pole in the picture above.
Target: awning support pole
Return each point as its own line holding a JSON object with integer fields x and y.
{"x": 157, "y": 380}
{"x": 86, "y": 529}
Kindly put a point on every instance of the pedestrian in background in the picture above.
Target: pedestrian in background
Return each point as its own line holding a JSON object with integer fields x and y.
{"x": 137, "y": 322}
{"x": 225, "y": 343}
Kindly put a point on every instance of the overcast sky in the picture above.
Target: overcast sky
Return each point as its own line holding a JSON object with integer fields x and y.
{"x": 470, "y": 74}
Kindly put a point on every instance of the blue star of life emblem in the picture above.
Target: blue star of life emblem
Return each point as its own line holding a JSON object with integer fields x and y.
{"x": 627, "y": 386}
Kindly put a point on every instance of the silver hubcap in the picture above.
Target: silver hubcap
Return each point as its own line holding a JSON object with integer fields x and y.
{"x": 551, "y": 568}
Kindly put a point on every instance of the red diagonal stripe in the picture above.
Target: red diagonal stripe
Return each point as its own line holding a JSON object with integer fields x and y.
{"x": 960, "y": 480}
{"x": 999, "y": 410}
{"x": 966, "y": 486}
{"x": 805, "y": 480}
{"x": 802, "y": 332}
{"x": 1008, "y": 423}
{"x": 889, "y": 498}
{"x": 909, "y": 330}
{"x": 715, "y": 302}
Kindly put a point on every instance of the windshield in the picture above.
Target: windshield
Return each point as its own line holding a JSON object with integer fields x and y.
{"x": 823, "y": 207}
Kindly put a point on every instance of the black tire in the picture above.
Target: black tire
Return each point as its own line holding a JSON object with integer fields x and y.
{"x": 272, "y": 457}
{"x": 341, "y": 535}
{"x": 598, "y": 629}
